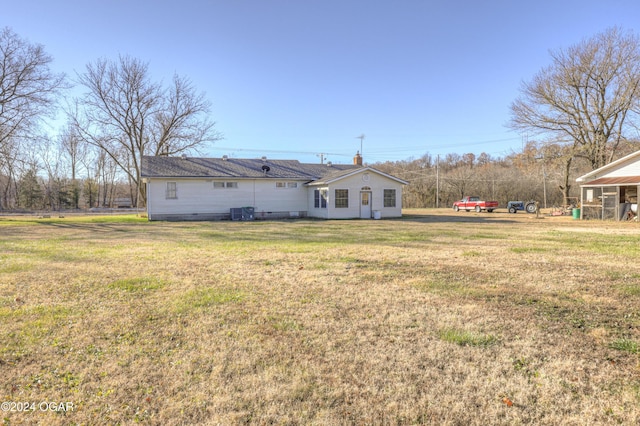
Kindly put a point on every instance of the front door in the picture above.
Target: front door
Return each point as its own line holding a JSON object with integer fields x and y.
{"x": 365, "y": 205}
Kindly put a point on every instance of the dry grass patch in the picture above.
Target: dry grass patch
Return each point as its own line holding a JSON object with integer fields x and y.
{"x": 437, "y": 318}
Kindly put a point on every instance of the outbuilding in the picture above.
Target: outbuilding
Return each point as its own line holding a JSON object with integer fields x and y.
{"x": 186, "y": 188}
{"x": 611, "y": 192}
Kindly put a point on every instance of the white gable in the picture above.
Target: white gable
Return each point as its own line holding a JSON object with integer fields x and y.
{"x": 625, "y": 166}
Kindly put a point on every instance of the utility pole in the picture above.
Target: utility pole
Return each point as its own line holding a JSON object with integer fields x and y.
{"x": 438, "y": 181}
{"x": 544, "y": 177}
{"x": 544, "y": 180}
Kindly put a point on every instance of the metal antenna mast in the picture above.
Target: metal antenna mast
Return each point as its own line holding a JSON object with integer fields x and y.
{"x": 361, "y": 137}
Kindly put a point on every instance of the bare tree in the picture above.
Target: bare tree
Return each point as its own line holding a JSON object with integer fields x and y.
{"x": 8, "y": 174}
{"x": 539, "y": 172}
{"x": 422, "y": 174}
{"x": 106, "y": 176}
{"x": 52, "y": 164}
{"x": 586, "y": 95}
{"x": 128, "y": 116}
{"x": 75, "y": 150}
{"x": 28, "y": 91}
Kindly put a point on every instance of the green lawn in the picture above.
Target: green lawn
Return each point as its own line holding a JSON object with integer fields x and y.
{"x": 435, "y": 318}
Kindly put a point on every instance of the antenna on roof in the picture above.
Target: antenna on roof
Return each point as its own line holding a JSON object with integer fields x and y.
{"x": 321, "y": 155}
{"x": 361, "y": 137}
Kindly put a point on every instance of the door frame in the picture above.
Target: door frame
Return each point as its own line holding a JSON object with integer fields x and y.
{"x": 366, "y": 212}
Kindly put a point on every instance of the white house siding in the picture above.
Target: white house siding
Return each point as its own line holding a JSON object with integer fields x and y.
{"x": 623, "y": 167}
{"x": 198, "y": 199}
{"x": 274, "y": 202}
{"x": 320, "y": 213}
{"x": 631, "y": 168}
{"x": 355, "y": 184}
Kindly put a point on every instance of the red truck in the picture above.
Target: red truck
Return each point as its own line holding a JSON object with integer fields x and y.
{"x": 474, "y": 203}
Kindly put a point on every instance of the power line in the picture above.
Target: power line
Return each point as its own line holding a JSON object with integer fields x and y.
{"x": 427, "y": 147}
{"x": 374, "y": 153}
{"x": 275, "y": 151}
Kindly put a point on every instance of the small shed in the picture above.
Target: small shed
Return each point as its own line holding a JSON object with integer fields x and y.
{"x": 611, "y": 192}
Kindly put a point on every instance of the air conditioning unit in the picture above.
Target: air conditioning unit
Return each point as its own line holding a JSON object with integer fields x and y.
{"x": 236, "y": 214}
{"x": 248, "y": 213}
{"x": 242, "y": 213}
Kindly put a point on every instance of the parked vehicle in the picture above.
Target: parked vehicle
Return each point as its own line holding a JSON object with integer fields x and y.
{"x": 475, "y": 203}
{"x": 528, "y": 206}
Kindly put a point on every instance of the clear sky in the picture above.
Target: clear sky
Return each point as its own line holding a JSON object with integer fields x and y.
{"x": 292, "y": 79}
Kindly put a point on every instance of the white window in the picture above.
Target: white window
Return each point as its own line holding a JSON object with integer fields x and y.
{"x": 222, "y": 185}
{"x": 341, "y": 198}
{"x": 389, "y": 197}
{"x": 171, "y": 191}
{"x": 283, "y": 185}
{"x": 320, "y": 198}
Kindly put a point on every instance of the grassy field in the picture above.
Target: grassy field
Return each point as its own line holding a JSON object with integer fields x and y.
{"x": 435, "y": 318}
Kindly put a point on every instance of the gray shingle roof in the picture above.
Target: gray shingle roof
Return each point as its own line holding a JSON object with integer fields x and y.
{"x": 176, "y": 167}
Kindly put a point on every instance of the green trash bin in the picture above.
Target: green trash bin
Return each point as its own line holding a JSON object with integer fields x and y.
{"x": 576, "y": 213}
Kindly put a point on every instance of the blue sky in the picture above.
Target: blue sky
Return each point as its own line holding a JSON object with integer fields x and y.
{"x": 292, "y": 79}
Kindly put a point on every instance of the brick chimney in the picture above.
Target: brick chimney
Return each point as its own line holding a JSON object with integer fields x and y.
{"x": 357, "y": 160}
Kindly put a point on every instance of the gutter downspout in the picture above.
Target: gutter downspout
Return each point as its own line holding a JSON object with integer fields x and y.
{"x": 148, "y": 200}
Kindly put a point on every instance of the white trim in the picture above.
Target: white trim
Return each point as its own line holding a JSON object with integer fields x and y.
{"x": 355, "y": 172}
{"x": 612, "y": 165}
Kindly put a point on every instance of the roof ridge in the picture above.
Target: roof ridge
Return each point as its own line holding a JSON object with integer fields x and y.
{"x": 212, "y": 167}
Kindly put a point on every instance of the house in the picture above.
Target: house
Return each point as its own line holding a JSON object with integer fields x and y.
{"x": 185, "y": 188}
{"x": 611, "y": 192}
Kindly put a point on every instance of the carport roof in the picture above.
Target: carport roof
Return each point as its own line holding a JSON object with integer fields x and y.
{"x": 614, "y": 181}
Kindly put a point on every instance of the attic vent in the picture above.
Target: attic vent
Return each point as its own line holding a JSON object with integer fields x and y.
{"x": 184, "y": 156}
{"x": 264, "y": 158}
{"x": 329, "y": 164}
{"x": 225, "y": 157}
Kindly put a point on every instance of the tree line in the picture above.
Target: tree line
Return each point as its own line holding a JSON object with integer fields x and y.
{"x": 581, "y": 112}
{"x": 122, "y": 115}
{"x": 540, "y": 172}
